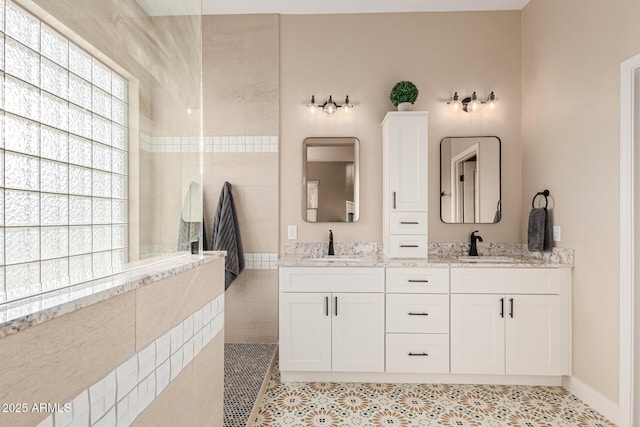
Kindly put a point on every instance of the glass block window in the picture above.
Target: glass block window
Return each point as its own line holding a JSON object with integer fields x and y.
{"x": 63, "y": 160}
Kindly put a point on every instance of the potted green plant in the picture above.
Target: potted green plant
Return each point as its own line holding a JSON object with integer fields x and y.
{"x": 403, "y": 95}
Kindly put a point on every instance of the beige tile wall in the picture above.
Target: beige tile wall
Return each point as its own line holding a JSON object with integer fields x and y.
{"x": 241, "y": 98}
{"x": 56, "y": 360}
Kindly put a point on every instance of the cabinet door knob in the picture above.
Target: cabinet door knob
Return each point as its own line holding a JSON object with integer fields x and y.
{"x": 418, "y": 354}
{"x": 418, "y": 314}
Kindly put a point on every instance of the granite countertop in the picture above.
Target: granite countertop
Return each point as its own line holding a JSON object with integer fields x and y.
{"x": 440, "y": 261}
{"x": 443, "y": 255}
{"x": 19, "y": 315}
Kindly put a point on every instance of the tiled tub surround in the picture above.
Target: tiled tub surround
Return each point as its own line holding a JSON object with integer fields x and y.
{"x": 22, "y": 314}
{"x": 126, "y": 391}
{"x": 153, "y": 354}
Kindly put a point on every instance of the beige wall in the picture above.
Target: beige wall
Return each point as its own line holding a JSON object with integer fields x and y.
{"x": 56, "y": 360}
{"x": 363, "y": 56}
{"x": 572, "y": 52}
{"x": 241, "y": 99}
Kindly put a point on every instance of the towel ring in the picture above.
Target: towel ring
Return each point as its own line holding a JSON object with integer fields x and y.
{"x": 544, "y": 193}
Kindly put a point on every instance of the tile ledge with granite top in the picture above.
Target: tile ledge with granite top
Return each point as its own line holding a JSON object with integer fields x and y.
{"x": 18, "y": 315}
{"x": 369, "y": 254}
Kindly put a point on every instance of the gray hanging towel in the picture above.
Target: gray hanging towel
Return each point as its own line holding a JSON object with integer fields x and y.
{"x": 539, "y": 230}
{"x": 226, "y": 235}
{"x": 498, "y": 216}
{"x": 537, "y": 225}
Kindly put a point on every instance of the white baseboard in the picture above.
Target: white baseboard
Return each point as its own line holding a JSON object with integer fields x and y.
{"x": 591, "y": 397}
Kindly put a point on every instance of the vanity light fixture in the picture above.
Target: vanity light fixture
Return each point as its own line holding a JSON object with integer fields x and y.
{"x": 472, "y": 104}
{"x": 329, "y": 106}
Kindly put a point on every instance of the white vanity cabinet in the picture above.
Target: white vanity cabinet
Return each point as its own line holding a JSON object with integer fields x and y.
{"x": 514, "y": 321}
{"x": 404, "y": 170}
{"x": 417, "y": 320}
{"x": 331, "y": 319}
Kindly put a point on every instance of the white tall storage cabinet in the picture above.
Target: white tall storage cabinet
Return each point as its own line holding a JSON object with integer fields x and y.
{"x": 404, "y": 170}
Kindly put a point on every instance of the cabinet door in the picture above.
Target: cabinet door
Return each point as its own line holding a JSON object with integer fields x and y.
{"x": 358, "y": 332}
{"x": 408, "y": 163}
{"x": 305, "y": 332}
{"x": 534, "y": 335}
{"x": 477, "y": 334}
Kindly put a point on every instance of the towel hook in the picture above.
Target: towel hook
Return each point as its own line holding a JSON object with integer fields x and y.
{"x": 544, "y": 193}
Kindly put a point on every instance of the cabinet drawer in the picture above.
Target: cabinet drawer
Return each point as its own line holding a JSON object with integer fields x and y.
{"x": 408, "y": 246}
{"x": 510, "y": 280}
{"x": 418, "y": 353}
{"x": 418, "y": 313}
{"x": 331, "y": 279}
{"x": 408, "y": 222}
{"x": 418, "y": 280}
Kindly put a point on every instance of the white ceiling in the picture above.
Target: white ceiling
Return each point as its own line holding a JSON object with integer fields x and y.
{"x": 209, "y": 7}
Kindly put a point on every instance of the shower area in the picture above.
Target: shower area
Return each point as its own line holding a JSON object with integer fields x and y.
{"x": 240, "y": 55}
{"x": 92, "y": 92}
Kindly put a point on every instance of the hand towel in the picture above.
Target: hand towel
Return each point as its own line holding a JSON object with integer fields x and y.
{"x": 226, "y": 235}
{"x": 498, "y": 216}
{"x": 190, "y": 216}
{"x": 538, "y": 231}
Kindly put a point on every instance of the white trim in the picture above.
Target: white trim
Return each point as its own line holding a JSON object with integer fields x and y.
{"x": 595, "y": 400}
{"x": 627, "y": 274}
{"x": 416, "y": 378}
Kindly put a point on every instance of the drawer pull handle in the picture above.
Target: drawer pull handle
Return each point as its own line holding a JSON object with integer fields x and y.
{"x": 511, "y": 307}
{"x": 336, "y": 299}
{"x": 409, "y": 222}
{"x": 502, "y": 307}
{"x": 409, "y": 246}
{"x": 418, "y": 314}
{"x": 418, "y": 354}
{"x": 326, "y": 306}
{"x": 417, "y": 281}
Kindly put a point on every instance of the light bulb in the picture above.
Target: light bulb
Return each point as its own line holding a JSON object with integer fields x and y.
{"x": 455, "y": 105}
{"x": 491, "y": 104}
{"x": 346, "y": 106}
{"x": 330, "y": 106}
{"x": 312, "y": 107}
{"x": 474, "y": 104}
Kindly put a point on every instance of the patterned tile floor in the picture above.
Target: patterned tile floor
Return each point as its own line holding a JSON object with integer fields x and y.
{"x": 245, "y": 367}
{"x": 403, "y": 405}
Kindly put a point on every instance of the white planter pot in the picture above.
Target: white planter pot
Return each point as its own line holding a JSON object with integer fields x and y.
{"x": 404, "y": 106}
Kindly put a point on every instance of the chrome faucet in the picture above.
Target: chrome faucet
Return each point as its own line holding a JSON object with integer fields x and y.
{"x": 331, "y": 243}
{"x": 473, "y": 250}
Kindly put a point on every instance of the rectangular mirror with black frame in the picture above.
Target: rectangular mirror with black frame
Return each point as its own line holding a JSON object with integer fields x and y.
{"x": 470, "y": 180}
{"x": 331, "y": 183}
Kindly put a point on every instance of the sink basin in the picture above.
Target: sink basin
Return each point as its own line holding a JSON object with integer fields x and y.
{"x": 332, "y": 259}
{"x": 488, "y": 259}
